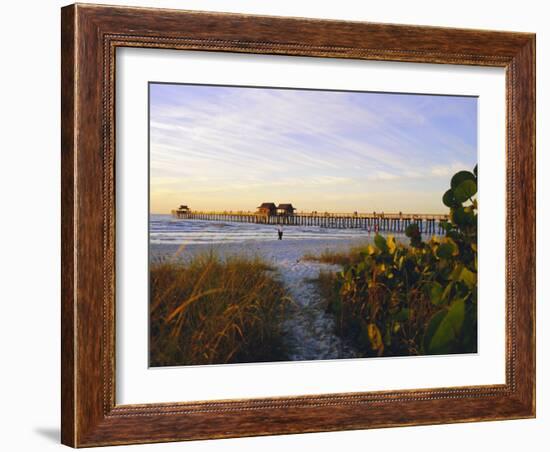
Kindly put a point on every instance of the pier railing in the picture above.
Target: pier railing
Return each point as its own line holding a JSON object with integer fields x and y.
{"x": 384, "y": 222}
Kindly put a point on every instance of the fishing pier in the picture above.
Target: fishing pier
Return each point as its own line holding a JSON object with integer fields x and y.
{"x": 285, "y": 214}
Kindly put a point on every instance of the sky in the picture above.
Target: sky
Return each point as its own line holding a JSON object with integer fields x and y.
{"x": 232, "y": 148}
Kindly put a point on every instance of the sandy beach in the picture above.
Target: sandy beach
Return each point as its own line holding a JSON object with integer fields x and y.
{"x": 309, "y": 330}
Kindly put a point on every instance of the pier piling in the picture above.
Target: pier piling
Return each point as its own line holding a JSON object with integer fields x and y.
{"x": 427, "y": 223}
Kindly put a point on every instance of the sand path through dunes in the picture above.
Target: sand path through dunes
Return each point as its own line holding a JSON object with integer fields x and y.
{"x": 309, "y": 329}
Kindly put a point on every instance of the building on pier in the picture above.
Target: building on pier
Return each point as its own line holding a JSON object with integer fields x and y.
{"x": 285, "y": 210}
{"x": 183, "y": 209}
{"x": 267, "y": 209}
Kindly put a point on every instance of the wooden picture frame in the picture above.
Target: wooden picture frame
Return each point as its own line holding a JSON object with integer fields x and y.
{"x": 90, "y": 36}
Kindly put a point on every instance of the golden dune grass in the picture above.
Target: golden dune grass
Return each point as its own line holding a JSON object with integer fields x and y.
{"x": 213, "y": 311}
{"x": 345, "y": 257}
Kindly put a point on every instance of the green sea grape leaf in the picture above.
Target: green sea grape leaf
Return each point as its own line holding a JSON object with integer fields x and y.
{"x": 381, "y": 243}
{"x": 449, "y": 198}
{"x": 445, "y": 251}
{"x": 463, "y": 216}
{"x": 468, "y": 277}
{"x": 448, "y": 330}
{"x": 447, "y": 292}
{"x": 436, "y": 292}
{"x": 433, "y": 324}
{"x": 465, "y": 190}
{"x": 460, "y": 177}
{"x": 455, "y": 274}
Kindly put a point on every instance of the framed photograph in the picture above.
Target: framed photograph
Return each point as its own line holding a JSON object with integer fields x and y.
{"x": 281, "y": 225}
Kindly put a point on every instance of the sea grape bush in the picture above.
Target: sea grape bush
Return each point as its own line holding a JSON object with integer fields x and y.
{"x": 419, "y": 298}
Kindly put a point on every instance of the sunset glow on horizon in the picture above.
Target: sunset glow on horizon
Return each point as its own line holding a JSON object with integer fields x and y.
{"x": 232, "y": 148}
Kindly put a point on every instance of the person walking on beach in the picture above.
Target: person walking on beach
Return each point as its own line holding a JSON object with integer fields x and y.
{"x": 280, "y": 232}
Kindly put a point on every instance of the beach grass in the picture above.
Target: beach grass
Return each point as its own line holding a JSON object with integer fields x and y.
{"x": 209, "y": 310}
{"x": 349, "y": 256}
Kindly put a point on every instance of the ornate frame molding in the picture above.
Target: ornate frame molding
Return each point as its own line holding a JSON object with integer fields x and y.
{"x": 90, "y": 37}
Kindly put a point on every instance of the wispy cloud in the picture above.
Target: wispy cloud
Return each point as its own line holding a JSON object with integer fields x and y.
{"x": 218, "y": 147}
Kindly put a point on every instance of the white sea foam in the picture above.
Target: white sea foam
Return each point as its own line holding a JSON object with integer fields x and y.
{"x": 167, "y": 230}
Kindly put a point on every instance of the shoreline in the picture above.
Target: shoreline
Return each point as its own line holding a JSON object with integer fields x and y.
{"x": 271, "y": 250}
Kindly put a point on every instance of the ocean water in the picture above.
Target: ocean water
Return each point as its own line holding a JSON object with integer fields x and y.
{"x": 163, "y": 229}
